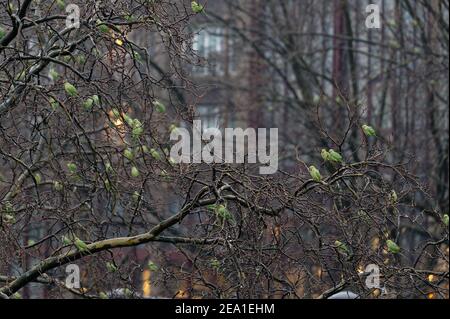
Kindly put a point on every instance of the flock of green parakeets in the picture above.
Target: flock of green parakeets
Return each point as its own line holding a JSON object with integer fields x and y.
{"x": 334, "y": 157}
{"x": 137, "y": 130}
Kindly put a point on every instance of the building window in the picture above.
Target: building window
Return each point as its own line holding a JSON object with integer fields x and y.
{"x": 210, "y": 45}
{"x": 209, "y": 115}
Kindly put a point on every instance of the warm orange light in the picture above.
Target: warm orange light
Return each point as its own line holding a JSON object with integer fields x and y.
{"x": 431, "y": 295}
{"x": 376, "y": 293}
{"x": 430, "y": 277}
{"x": 181, "y": 294}
{"x": 146, "y": 286}
{"x": 375, "y": 243}
{"x": 117, "y": 121}
{"x": 277, "y": 232}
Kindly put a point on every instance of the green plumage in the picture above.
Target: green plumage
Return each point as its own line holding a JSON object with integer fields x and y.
{"x": 72, "y": 168}
{"x": 196, "y": 7}
{"x": 342, "y": 248}
{"x": 96, "y": 99}
{"x": 155, "y": 154}
{"x": 111, "y": 267}
{"x": 335, "y": 156}
{"x": 70, "y": 89}
{"x": 81, "y": 245}
{"x": 135, "y": 172}
{"x": 88, "y": 104}
{"x": 445, "y": 219}
{"x": 325, "y": 155}
{"x": 128, "y": 154}
{"x": 369, "y": 130}
{"x": 38, "y": 178}
{"x": 160, "y": 107}
{"x": 392, "y": 247}
{"x": 315, "y": 173}
{"x": 393, "y": 198}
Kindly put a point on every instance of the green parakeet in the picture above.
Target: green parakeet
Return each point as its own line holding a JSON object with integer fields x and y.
{"x": 223, "y": 212}
{"x": 136, "y": 197}
{"x": 445, "y": 219}
{"x": 325, "y": 155}
{"x": 137, "y": 128}
{"x": 37, "y": 178}
{"x": 80, "y": 59}
{"x": 196, "y": 7}
{"x": 315, "y": 173}
{"x": 128, "y": 119}
{"x": 108, "y": 167}
{"x": 335, "y": 156}
{"x": 136, "y": 123}
{"x": 152, "y": 266}
{"x": 155, "y": 154}
{"x": 128, "y": 154}
{"x": 137, "y": 132}
{"x": 172, "y": 161}
{"x": 392, "y": 247}
{"x": 116, "y": 113}
{"x": 88, "y": 104}
{"x": 214, "y": 263}
{"x": 81, "y": 245}
{"x": 111, "y": 267}
{"x": 160, "y": 107}
{"x": 16, "y": 295}
{"x": 134, "y": 171}
{"x": 342, "y": 248}
{"x": 393, "y": 198}
{"x": 66, "y": 240}
{"x": 53, "y": 103}
{"x": 96, "y": 99}
{"x": 172, "y": 128}
{"x": 70, "y": 89}
{"x": 368, "y": 130}
{"x": 103, "y": 295}
{"x": 72, "y": 168}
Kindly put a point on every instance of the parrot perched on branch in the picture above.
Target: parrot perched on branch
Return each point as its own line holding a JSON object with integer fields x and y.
{"x": 81, "y": 245}
{"x": 325, "y": 155}
{"x": 134, "y": 171}
{"x": 334, "y": 156}
{"x": 368, "y": 130}
{"x": 392, "y": 247}
{"x": 196, "y": 7}
{"x": 315, "y": 173}
{"x": 70, "y": 89}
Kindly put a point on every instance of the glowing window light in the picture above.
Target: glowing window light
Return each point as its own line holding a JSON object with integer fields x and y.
{"x": 146, "y": 286}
